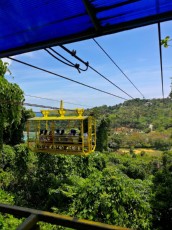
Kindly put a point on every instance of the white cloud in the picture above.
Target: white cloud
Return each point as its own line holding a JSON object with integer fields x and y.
{"x": 7, "y": 60}
{"x": 28, "y": 55}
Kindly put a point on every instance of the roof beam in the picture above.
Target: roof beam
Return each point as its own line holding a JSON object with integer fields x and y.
{"x": 110, "y": 7}
{"x": 92, "y": 13}
{"x": 90, "y": 33}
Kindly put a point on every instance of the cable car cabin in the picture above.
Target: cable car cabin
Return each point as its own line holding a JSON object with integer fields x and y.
{"x": 59, "y": 134}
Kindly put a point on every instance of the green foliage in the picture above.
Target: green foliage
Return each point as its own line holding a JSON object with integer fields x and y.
{"x": 109, "y": 197}
{"x": 165, "y": 41}
{"x": 96, "y": 188}
{"x": 102, "y": 135}
{"x": 7, "y": 161}
{"x": 106, "y": 187}
{"x": 170, "y": 95}
{"x": 5, "y": 197}
{"x": 13, "y": 134}
{"x": 140, "y": 167}
{"x": 156, "y": 140}
{"x": 162, "y": 200}
{"x": 21, "y": 159}
{"x": 3, "y": 68}
{"x": 115, "y": 142}
{"x": 138, "y": 114}
{"x": 142, "y": 153}
{"x": 7, "y": 158}
{"x": 161, "y": 141}
{"x": 7, "y": 221}
{"x": 140, "y": 123}
{"x": 11, "y": 97}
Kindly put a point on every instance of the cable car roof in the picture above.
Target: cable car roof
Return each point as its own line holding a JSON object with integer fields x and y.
{"x": 28, "y": 25}
{"x": 58, "y": 118}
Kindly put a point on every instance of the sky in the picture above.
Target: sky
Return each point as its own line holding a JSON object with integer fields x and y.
{"x": 135, "y": 51}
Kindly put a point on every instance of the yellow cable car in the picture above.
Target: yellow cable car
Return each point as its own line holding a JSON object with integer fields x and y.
{"x": 62, "y": 134}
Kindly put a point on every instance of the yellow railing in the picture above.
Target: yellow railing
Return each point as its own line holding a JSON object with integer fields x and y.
{"x": 34, "y": 216}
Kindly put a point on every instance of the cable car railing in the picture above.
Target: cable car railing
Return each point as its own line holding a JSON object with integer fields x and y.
{"x": 33, "y": 217}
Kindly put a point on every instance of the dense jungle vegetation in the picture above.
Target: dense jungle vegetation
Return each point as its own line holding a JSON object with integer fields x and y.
{"x": 126, "y": 190}
{"x": 111, "y": 186}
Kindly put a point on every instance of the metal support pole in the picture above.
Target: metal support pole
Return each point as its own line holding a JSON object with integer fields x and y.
{"x": 29, "y": 223}
{"x": 160, "y": 54}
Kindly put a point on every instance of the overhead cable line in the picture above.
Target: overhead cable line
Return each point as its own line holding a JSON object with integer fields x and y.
{"x": 58, "y": 75}
{"x": 77, "y": 66}
{"x": 71, "y": 64}
{"x": 50, "y": 99}
{"x": 160, "y": 55}
{"x": 45, "y": 106}
{"x": 30, "y": 104}
{"x": 117, "y": 66}
{"x": 73, "y": 53}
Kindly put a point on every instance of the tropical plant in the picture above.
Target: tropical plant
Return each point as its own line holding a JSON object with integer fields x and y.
{"x": 162, "y": 199}
{"x": 11, "y": 98}
{"x": 102, "y": 135}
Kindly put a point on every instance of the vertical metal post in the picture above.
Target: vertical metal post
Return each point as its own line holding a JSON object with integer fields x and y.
{"x": 61, "y": 104}
{"x": 53, "y": 130}
{"x": 89, "y": 134}
{"x": 82, "y": 136}
{"x": 38, "y": 138}
{"x": 28, "y": 127}
{"x": 160, "y": 54}
{"x": 46, "y": 125}
{"x": 95, "y": 134}
{"x": 29, "y": 223}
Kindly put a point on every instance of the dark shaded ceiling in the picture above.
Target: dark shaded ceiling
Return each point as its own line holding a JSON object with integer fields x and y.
{"x": 27, "y": 25}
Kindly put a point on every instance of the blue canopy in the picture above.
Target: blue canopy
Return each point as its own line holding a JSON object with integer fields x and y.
{"x": 27, "y": 25}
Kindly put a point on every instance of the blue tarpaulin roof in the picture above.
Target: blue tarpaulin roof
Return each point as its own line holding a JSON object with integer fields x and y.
{"x": 27, "y": 25}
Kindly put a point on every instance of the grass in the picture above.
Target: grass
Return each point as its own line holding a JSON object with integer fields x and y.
{"x": 149, "y": 152}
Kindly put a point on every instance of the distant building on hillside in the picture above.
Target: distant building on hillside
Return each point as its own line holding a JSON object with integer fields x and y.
{"x": 151, "y": 127}
{"x": 148, "y": 103}
{"x": 124, "y": 130}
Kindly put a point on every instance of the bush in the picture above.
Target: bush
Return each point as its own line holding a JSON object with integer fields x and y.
{"x": 162, "y": 199}
{"x": 7, "y": 157}
{"x": 142, "y": 153}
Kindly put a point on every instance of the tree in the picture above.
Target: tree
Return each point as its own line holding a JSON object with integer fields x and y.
{"x": 102, "y": 135}
{"x": 8, "y": 221}
{"x": 107, "y": 196}
{"x": 162, "y": 200}
{"x": 170, "y": 95}
{"x": 11, "y": 98}
{"x": 115, "y": 142}
{"x": 13, "y": 134}
{"x": 165, "y": 43}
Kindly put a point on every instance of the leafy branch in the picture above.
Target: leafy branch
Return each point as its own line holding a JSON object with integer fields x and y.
{"x": 165, "y": 42}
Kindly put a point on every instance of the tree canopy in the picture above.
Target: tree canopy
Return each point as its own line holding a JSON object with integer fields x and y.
{"x": 11, "y": 98}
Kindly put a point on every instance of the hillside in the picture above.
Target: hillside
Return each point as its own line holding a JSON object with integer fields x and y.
{"x": 134, "y": 124}
{"x": 138, "y": 114}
